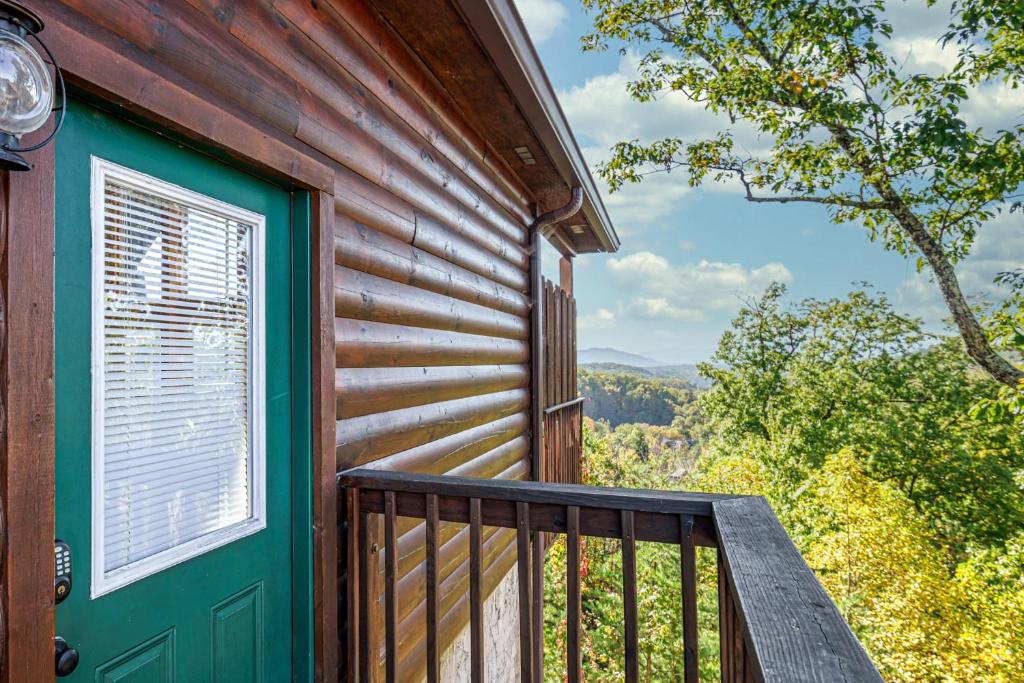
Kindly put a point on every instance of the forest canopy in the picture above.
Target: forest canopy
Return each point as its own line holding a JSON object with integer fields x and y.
{"x": 864, "y": 433}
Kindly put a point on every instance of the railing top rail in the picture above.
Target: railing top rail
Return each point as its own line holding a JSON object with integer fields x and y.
{"x": 793, "y": 629}
{"x": 637, "y": 500}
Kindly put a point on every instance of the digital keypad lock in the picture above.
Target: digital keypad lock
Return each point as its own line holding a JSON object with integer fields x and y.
{"x": 62, "y": 570}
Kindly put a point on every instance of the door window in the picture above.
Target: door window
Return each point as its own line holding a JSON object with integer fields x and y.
{"x": 178, "y": 449}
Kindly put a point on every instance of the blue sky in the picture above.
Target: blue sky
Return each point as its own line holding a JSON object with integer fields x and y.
{"x": 690, "y": 256}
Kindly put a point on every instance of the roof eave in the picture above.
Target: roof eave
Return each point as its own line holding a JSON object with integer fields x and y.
{"x": 501, "y": 31}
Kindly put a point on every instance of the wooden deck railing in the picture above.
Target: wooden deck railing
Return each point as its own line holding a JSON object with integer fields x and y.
{"x": 776, "y": 622}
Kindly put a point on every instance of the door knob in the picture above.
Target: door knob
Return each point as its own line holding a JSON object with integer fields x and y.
{"x": 66, "y": 657}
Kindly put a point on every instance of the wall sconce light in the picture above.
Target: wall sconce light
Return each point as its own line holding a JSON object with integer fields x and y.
{"x": 26, "y": 88}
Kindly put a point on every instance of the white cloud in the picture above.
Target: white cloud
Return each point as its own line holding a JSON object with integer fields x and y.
{"x": 601, "y": 319}
{"x": 687, "y": 245}
{"x": 602, "y": 113}
{"x": 661, "y": 309}
{"x": 543, "y": 18}
{"x": 659, "y": 289}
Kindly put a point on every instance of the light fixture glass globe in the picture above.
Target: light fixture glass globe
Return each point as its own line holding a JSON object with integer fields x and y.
{"x": 26, "y": 89}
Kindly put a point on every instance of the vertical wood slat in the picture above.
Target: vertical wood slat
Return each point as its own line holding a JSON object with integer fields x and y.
{"x": 433, "y": 654}
{"x": 572, "y": 572}
{"x": 724, "y": 641}
{"x": 390, "y": 587}
{"x": 523, "y": 574}
{"x": 326, "y": 553}
{"x": 27, "y": 417}
{"x": 476, "y": 606}
{"x": 355, "y": 563}
{"x": 688, "y": 576}
{"x": 537, "y": 606}
{"x": 365, "y": 627}
{"x": 629, "y": 598}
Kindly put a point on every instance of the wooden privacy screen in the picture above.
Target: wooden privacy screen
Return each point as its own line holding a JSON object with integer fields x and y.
{"x": 563, "y": 414}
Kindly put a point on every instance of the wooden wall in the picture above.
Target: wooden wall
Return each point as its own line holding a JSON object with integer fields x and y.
{"x": 430, "y": 274}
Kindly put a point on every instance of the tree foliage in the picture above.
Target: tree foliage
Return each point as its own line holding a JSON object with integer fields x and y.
{"x": 841, "y": 121}
{"x": 801, "y": 383}
{"x": 619, "y": 398}
{"x": 858, "y": 428}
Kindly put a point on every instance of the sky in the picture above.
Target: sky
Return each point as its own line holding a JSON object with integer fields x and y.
{"x": 690, "y": 257}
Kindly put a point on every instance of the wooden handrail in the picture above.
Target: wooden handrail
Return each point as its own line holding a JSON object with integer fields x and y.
{"x": 776, "y": 622}
{"x": 565, "y": 404}
{"x": 791, "y": 628}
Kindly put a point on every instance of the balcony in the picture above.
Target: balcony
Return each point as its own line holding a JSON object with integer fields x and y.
{"x": 776, "y": 623}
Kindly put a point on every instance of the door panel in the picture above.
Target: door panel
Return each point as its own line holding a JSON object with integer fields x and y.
{"x": 224, "y": 612}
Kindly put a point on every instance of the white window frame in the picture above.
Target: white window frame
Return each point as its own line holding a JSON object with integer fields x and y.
{"x": 104, "y": 582}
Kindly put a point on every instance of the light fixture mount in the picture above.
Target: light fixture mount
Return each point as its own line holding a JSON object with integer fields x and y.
{"x": 17, "y": 18}
{"x": 27, "y": 89}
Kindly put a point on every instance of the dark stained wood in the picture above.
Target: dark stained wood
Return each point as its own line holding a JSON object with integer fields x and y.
{"x": 370, "y": 344}
{"x": 456, "y": 60}
{"x": 362, "y": 439}
{"x": 354, "y": 37}
{"x": 362, "y": 248}
{"x": 781, "y": 645}
{"x": 574, "y": 663}
{"x": 436, "y": 238}
{"x": 632, "y": 668}
{"x": 112, "y": 68}
{"x": 368, "y": 297}
{"x": 27, "y": 419}
{"x": 794, "y": 631}
{"x": 433, "y": 651}
{"x": 593, "y": 498}
{"x": 363, "y": 391}
{"x": 688, "y": 575}
{"x": 327, "y": 96}
{"x": 525, "y": 590}
{"x": 390, "y": 589}
{"x": 323, "y": 475}
{"x": 354, "y": 589}
{"x": 563, "y": 416}
{"x": 565, "y": 274}
{"x": 537, "y": 546}
{"x": 476, "y": 598}
{"x": 458, "y": 450}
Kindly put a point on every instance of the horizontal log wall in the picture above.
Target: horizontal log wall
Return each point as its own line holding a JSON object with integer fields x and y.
{"x": 431, "y": 263}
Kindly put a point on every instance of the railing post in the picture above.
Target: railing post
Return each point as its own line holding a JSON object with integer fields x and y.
{"x": 354, "y": 584}
{"x": 390, "y": 588}
{"x": 525, "y": 592}
{"x": 572, "y": 602}
{"x": 688, "y": 575}
{"x": 433, "y": 654}
{"x": 629, "y": 597}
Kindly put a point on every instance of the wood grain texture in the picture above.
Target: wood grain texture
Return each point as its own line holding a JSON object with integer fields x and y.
{"x": 792, "y": 629}
{"x": 362, "y": 439}
{"x": 325, "y": 488}
{"x": 27, "y": 419}
{"x": 363, "y": 248}
{"x": 362, "y": 296}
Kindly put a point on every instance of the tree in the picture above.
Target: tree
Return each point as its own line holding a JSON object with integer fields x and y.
{"x": 793, "y": 385}
{"x": 849, "y": 129}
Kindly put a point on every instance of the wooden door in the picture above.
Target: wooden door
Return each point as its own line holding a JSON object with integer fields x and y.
{"x": 173, "y": 409}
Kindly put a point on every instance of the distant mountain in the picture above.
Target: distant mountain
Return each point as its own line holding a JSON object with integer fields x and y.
{"x": 609, "y": 355}
{"x": 684, "y": 374}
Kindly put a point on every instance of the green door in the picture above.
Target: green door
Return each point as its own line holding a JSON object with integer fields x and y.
{"x": 173, "y": 403}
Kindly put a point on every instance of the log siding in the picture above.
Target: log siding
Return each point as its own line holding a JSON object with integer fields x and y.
{"x": 422, "y": 247}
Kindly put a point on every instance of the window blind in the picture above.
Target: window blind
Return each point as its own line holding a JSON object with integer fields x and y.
{"x": 174, "y": 386}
